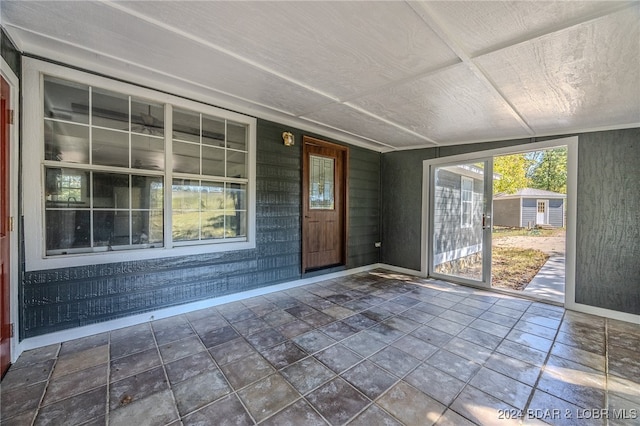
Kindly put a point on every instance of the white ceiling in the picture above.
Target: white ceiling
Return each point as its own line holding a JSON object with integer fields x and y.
{"x": 387, "y": 75}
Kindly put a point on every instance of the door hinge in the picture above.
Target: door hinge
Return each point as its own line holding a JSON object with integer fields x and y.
{"x": 11, "y": 330}
{"x": 11, "y": 116}
{"x": 10, "y": 223}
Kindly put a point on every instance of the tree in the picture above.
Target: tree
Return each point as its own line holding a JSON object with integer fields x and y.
{"x": 513, "y": 173}
{"x": 550, "y": 170}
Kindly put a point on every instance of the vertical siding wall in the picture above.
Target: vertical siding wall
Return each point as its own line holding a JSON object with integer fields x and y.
{"x": 64, "y": 298}
{"x": 506, "y": 212}
{"x": 608, "y": 231}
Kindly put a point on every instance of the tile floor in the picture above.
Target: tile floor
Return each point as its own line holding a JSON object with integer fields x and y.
{"x": 375, "y": 348}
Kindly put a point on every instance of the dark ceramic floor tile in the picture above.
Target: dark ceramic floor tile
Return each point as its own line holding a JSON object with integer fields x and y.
{"x": 498, "y": 319}
{"x": 190, "y": 366}
{"x": 624, "y": 388}
{"x": 356, "y": 305}
{"x": 250, "y": 326}
{"x": 140, "y": 331}
{"x": 74, "y": 410}
{"x": 530, "y": 340}
{"x": 267, "y": 396}
{"x": 171, "y": 334}
{"x": 369, "y": 379}
{"x": 227, "y": 411}
{"x": 180, "y": 349}
{"x": 207, "y": 324}
{"x": 359, "y": 322}
{"x": 624, "y": 339}
{"x": 337, "y": 401}
{"x": 541, "y": 320}
{"x": 318, "y": 319}
{"x": 431, "y": 335}
{"x": 435, "y": 383}
{"x": 490, "y": 327}
{"x": 467, "y": 310}
{"x": 307, "y": 374}
{"x": 237, "y": 315}
{"x": 503, "y": 310}
{"x": 623, "y": 362}
{"x": 458, "y": 317}
{"x": 84, "y": 343}
{"x": 136, "y": 387}
{"x": 411, "y": 406}
{"x": 337, "y": 312}
{"x": 36, "y": 356}
{"x": 133, "y": 364}
{"x": 516, "y": 369}
{"x": 481, "y": 338}
{"x": 556, "y": 411}
{"x": 590, "y": 359}
{"x": 75, "y": 361}
{"x": 538, "y": 330}
{"x": 279, "y": 317}
{"x": 300, "y": 311}
{"x": 377, "y": 313}
{"x": 573, "y": 382}
{"x": 580, "y": 341}
{"x": 385, "y": 333}
{"x": 21, "y": 399}
{"x": 313, "y": 341}
{"x": 429, "y": 308}
{"x": 374, "y": 415}
{"x": 364, "y": 344}
{"x": 23, "y": 419}
{"x": 482, "y": 408}
{"x": 231, "y": 351}
{"x": 75, "y": 383}
{"x": 200, "y": 390}
{"x": 421, "y": 317}
{"x": 502, "y": 387}
{"x": 446, "y": 325}
{"x": 123, "y": 347}
{"x": 298, "y": 413}
{"x": 454, "y": 365}
{"x": 338, "y": 358}
{"x": 156, "y": 409}
{"x": 523, "y": 353}
{"x": 451, "y": 418}
{"x": 338, "y": 330}
{"x": 210, "y": 314}
{"x": 266, "y": 339}
{"x": 469, "y": 350}
{"x": 247, "y": 370}
{"x": 294, "y": 328}
{"x": 416, "y": 347}
{"x": 283, "y": 354}
{"x": 18, "y": 377}
{"x": 622, "y": 411}
{"x": 339, "y": 298}
{"x": 218, "y": 336}
{"x": 405, "y": 300}
{"x": 402, "y": 323}
{"x": 395, "y": 361}
{"x": 263, "y": 308}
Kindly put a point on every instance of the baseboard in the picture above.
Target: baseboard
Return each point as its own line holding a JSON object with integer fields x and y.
{"x": 602, "y": 312}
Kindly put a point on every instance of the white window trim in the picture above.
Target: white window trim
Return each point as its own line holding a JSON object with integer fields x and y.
{"x": 33, "y": 171}
{"x": 462, "y": 203}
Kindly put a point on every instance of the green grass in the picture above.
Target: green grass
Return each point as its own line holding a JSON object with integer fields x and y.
{"x": 501, "y": 232}
{"x": 514, "y": 268}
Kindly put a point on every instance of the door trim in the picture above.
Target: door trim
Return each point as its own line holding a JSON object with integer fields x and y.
{"x": 344, "y": 151}
{"x": 14, "y": 159}
{"x": 571, "y": 206}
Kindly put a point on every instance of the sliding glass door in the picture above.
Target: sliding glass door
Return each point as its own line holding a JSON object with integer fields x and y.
{"x": 460, "y": 222}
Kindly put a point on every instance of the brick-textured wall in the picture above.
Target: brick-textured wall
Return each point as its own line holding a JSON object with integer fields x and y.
{"x": 64, "y": 298}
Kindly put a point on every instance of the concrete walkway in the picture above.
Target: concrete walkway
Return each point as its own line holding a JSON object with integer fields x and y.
{"x": 549, "y": 282}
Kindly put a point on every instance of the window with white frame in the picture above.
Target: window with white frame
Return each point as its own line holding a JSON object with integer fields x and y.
{"x": 128, "y": 168}
{"x": 466, "y": 201}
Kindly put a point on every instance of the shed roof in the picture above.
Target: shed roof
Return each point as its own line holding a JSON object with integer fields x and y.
{"x": 532, "y": 193}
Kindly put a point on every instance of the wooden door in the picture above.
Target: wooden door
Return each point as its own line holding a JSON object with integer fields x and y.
{"x": 324, "y": 204}
{"x": 5, "y": 326}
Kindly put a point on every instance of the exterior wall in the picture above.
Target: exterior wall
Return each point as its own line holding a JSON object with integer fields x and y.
{"x": 556, "y": 213}
{"x": 608, "y": 220}
{"x": 451, "y": 238}
{"x": 506, "y": 212}
{"x": 529, "y": 212}
{"x": 608, "y": 227}
{"x": 59, "y": 299}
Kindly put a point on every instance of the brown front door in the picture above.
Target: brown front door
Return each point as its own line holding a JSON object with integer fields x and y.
{"x": 324, "y": 204}
{"x": 5, "y": 327}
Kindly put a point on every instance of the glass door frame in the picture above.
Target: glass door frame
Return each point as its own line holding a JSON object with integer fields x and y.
{"x": 487, "y": 212}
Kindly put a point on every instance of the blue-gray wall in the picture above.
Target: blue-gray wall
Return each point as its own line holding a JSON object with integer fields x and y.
{"x": 608, "y": 227}
{"x": 608, "y": 217}
{"x": 70, "y": 297}
{"x": 506, "y": 212}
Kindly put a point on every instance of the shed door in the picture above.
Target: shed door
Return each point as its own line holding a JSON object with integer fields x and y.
{"x": 460, "y": 222}
{"x": 542, "y": 217}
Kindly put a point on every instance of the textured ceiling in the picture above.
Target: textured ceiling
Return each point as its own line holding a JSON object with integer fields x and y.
{"x": 387, "y": 75}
